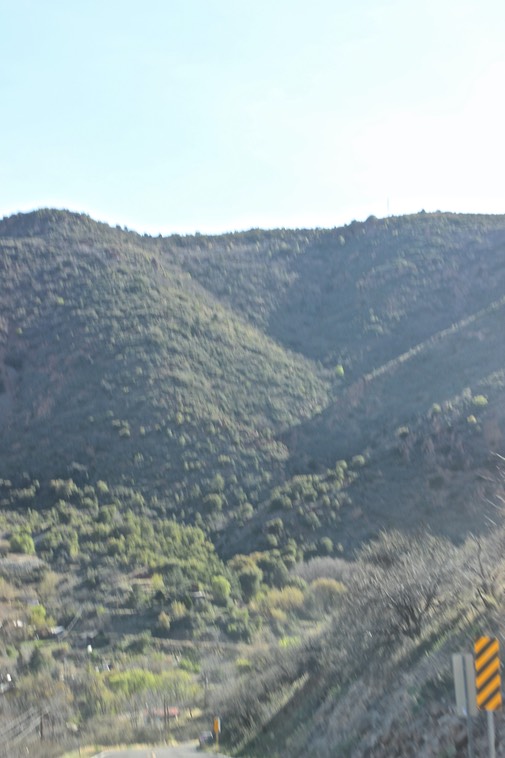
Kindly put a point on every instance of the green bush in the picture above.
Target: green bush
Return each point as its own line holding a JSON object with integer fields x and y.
{"x": 221, "y": 589}
{"x": 164, "y": 622}
{"x": 479, "y": 401}
{"x": 22, "y": 542}
{"x": 358, "y": 461}
{"x": 250, "y": 578}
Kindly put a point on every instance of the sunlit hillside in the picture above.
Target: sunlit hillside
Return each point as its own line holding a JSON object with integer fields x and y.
{"x": 202, "y": 434}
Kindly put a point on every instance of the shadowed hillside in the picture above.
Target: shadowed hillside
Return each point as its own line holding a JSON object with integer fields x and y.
{"x": 359, "y": 295}
{"x": 114, "y": 361}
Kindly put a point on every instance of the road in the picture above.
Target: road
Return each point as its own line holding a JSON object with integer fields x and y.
{"x": 181, "y": 751}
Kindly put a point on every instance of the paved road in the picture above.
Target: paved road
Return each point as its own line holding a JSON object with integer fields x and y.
{"x": 181, "y": 751}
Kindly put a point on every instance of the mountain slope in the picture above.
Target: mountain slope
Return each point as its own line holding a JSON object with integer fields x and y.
{"x": 362, "y": 294}
{"x": 120, "y": 364}
{"x": 188, "y": 422}
{"x": 201, "y": 370}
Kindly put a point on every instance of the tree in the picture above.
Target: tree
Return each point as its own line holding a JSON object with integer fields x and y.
{"x": 213, "y": 502}
{"x": 221, "y": 589}
{"x": 38, "y": 661}
{"x": 249, "y": 575}
{"x": 486, "y": 571}
{"x": 37, "y": 617}
{"x": 401, "y": 581}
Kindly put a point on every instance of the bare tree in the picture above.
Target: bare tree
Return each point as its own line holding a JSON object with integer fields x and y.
{"x": 401, "y": 581}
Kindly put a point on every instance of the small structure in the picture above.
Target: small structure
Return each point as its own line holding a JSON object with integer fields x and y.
{"x": 57, "y": 631}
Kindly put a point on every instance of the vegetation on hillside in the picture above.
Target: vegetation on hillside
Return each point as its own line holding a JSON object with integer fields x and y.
{"x": 221, "y": 454}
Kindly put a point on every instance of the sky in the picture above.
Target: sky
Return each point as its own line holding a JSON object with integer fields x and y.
{"x": 220, "y": 115}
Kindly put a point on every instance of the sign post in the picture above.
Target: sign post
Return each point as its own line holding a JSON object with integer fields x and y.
{"x": 488, "y": 683}
{"x": 217, "y": 729}
{"x": 464, "y": 685}
{"x": 490, "y": 734}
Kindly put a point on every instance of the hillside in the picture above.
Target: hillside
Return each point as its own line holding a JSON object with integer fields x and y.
{"x": 359, "y": 295}
{"x": 181, "y": 358}
{"x": 188, "y": 422}
{"x": 165, "y": 386}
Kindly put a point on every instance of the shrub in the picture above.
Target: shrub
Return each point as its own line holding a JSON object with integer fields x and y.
{"x": 221, "y": 589}
{"x": 178, "y": 610}
{"x": 157, "y": 583}
{"x": 288, "y": 599}
{"x": 334, "y": 568}
{"x": 479, "y": 401}
{"x": 250, "y": 578}
{"x": 127, "y": 683}
{"x": 102, "y": 487}
{"x": 325, "y": 546}
{"x": 65, "y": 488}
{"x": 38, "y": 661}
{"x": 217, "y": 484}
{"x": 239, "y": 627}
{"x": 274, "y": 526}
{"x": 37, "y": 617}
{"x": 358, "y": 461}
{"x": 164, "y": 622}
{"x": 324, "y": 595}
{"x": 22, "y": 542}
{"x": 243, "y": 665}
{"x": 213, "y": 502}
{"x": 192, "y": 667}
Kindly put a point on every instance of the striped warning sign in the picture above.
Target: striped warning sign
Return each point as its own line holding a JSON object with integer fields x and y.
{"x": 487, "y": 673}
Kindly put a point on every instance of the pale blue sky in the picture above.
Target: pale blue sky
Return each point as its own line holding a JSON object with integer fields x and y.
{"x": 216, "y": 115}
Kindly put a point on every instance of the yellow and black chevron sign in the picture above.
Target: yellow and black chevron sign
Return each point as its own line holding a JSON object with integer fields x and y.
{"x": 487, "y": 673}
